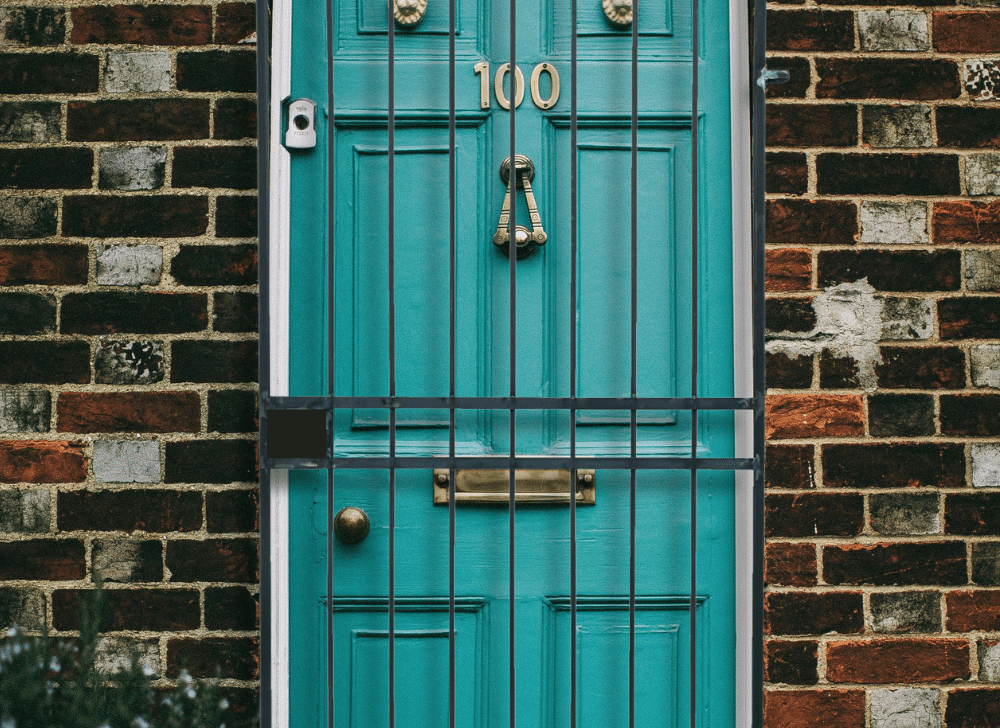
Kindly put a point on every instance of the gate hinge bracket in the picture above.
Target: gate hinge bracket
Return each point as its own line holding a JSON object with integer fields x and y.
{"x": 767, "y": 76}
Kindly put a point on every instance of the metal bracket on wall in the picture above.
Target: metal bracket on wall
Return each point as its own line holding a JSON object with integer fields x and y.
{"x": 769, "y": 77}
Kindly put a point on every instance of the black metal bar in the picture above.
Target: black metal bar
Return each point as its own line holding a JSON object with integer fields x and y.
{"x": 512, "y": 255}
{"x": 391, "y": 282}
{"x": 536, "y": 403}
{"x": 574, "y": 237}
{"x": 502, "y": 462}
{"x": 331, "y": 378}
{"x": 452, "y": 283}
{"x": 633, "y": 424}
{"x": 693, "y": 606}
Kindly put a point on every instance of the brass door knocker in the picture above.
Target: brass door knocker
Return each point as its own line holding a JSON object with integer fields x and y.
{"x": 525, "y": 240}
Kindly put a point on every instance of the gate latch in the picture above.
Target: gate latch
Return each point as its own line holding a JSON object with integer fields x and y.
{"x": 525, "y": 240}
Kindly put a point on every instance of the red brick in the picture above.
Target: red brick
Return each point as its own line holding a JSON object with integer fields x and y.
{"x": 969, "y": 317}
{"x": 153, "y": 511}
{"x": 811, "y": 125}
{"x": 813, "y": 514}
{"x": 43, "y": 559}
{"x": 48, "y": 265}
{"x": 129, "y": 412}
{"x": 786, "y": 172}
{"x": 788, "y": 372}
{"x": 42, "y": 461}
{"x": 791, "y": 662}
{"x": 973, "y": 514}
{"x": 131, "y": 609}
{"x": 970, "y": 414}
{"x": 979, "y": 708}
{"x": 811, "y": 222}
{"x": 215, "y": 265}
{"x": 926, "y": 367}
{"x": 790, "y": 564}
{"x": 787, "y": 269}
{"x": 814, "y": 708}
{"x": 894, "y": 465}
{"x": 813, "y": 415}
{"x": 233, "y": 657}
{"x": 789, "y": 314}
{"x": 110, "y": 312}
{"x": 898, "y": 661}
{"x": 810, "y": 30}
{"x": 885, "y": 270}
{"x": 789, "y": 466}
{"x": 966, "y": 222}
{"x": 219, "y": 559}
{"x": 896, "y": 564}
{"x": 973, "y": 610}
{"x": 143, "y": 24}
{"x": 235, "y": 22}
{"x": 968, "y": 127}
{"x": 887, "y": 78}
{"x": 788, "y": 613}
{"x": 137, "y": 120}
{"x": 798, "y": 84}
{"x": 972, "y": 32}
{"x": 153, "y": 216}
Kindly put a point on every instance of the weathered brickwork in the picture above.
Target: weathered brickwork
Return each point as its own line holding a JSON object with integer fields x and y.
{"x": 128, "y": 274}
{"x": 883, "y": 365}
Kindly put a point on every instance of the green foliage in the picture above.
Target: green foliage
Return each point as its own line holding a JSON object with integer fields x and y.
{"x": 57, "y": 683}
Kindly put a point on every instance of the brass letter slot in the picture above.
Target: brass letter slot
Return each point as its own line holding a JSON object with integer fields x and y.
{"x": 530, "y": 486}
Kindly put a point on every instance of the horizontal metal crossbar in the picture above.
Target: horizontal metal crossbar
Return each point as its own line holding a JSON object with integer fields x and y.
{"x": 504, "y": 462}
{"x": 640, "y": 404}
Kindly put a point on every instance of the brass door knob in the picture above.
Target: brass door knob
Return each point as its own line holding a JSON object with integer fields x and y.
{"x": 351, "y": 525}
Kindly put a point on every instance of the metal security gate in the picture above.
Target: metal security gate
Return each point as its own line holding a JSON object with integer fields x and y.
{"x": 300, "y": 432}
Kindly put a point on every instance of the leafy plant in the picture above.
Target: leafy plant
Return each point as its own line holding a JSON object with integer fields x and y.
{"x": 58, "y": 683}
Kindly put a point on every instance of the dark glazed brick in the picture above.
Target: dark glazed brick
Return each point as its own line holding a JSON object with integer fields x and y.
{"x": 30, "y": 121}
{"x": 906, "y": 612}
{"x": 215, "y": 265}
{"x": 894, "y": 466}
{"x": 968, "y": 127}
{"x": 235, "y": 312}
{"x": 47, "y": 265}
{"x": 808, "y": 222}
{"x": 789, "y": 314}
{"x": 887, "y": 174}
{"x": 790, "y": 564}
{"x": 231, "y": 511}
{"x": 230, "y": 607}
{"x": 31, "y": 26}
{"x": 836, "y": 372}
{"x": 153, "y": 511}
{"x": 805, "y": 613}
{"x": 27, "y": 217}
{"x": 974, "y": 32}
{"x": 894, "y": 415}
{"x": 143, "y": 24}
{"x": 887, "y": 78}
{"x": 970, "y": 414}
{"x": 810, "y": 30}
{"x": 235, "y": 119}
{"x": 791, "y": 662}
{"x": 813, "y": 514}
{"x": 131, "y": 609}
{"x": 892, "y": 271}
{"x": 979, "y": 708}
{"x": 43, "y": 559}
{"x": 27, "y": 313}
{"x": 900, "y": 564}
{"x": 48, "y": 73}
{"x": 157, "y": 216}
{"x": 44, "y": 362}
{"x": 786, "y": 172}
{"x": 231, "y": 657}
{"x": 214, "y": 361}
{"x": 811, "y": 125}
{"x": 970, "y": 317}
{"x": 129, "y": 412}
{"x": 211, "y": 461}
{"x": 220, "y": 559}
{"x": 232, "y": 410}
{"x": 49, "y": 168}
{"x": 932, "y": 367}
{"x": 972, "y": 514}
{"x": 217, "y": 71}
{"x": 236, "y": 217}
{"x": 786, "y": 372}
{"x": 137, "y": 120}
{"x": 234, "y": 23}
{"x": 789, "y": 466}
{"x": 226, "y": 167}
{"x": 144, "y": 313}
{"x": 799, "y": 81}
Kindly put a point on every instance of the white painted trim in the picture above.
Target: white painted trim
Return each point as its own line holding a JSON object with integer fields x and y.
{"x": 740, "y": 100}
{"x": 278, "y": 233}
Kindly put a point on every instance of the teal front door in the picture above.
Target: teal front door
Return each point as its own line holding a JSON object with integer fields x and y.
{"x": 631, "y": 597}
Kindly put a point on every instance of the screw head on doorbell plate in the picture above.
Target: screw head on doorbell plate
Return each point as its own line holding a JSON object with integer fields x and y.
{"x": 301, "y": 126}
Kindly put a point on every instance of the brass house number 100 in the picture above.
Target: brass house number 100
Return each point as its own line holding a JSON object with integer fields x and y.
{"x": 482, "y": 69}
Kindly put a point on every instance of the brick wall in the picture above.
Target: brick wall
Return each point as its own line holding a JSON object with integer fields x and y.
{"x": 883, "y": 511}
{"x": 127, "y": 327}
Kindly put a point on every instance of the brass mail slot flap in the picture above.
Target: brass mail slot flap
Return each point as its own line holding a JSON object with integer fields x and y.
{"x": 530, "y": 486}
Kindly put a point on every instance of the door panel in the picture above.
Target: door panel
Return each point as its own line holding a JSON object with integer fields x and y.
{"x": 545, "y": 323}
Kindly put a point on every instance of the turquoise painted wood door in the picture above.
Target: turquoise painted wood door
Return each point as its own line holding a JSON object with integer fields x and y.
{"x": 542, "y": 584}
